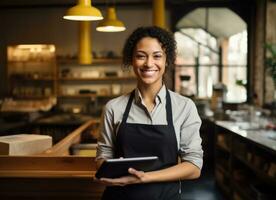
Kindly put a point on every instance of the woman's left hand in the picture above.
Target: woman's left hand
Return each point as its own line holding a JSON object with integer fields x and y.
{"x": 134, "y": 178}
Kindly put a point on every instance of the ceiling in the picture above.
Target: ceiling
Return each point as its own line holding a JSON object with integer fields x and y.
{"x": 10, "y": 3}
{"x": 194, "y": 19}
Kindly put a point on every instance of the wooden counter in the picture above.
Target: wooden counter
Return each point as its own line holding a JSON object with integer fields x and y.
{"x": 53, "y": 174}
{"x": 43, "y": 177}
{"x": 261, "y": 137}
{"x": 245, "y": 161}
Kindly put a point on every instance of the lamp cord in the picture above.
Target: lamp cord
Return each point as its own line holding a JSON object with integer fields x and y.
{"x": 106, "y": 4}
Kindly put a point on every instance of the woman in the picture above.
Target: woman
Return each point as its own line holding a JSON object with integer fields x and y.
{"x": 151, "y": 121}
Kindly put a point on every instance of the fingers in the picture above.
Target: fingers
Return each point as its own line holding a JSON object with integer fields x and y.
{"x": 136, "y": 173}
{"x": 133, "y": 172}
{"x": 135, "y": 177}
{"x": 125, "y": 180}
{"x": 112, "y": 182}
{"x": 141, "y": 176}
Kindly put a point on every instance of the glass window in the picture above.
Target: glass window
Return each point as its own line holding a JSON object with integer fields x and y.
{"x": 198, "y": 58}
{"x": 235, "y": 68}
{"x": 211, "y": 51}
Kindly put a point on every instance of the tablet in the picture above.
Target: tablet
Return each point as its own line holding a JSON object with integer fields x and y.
{"x": 114, "y": 168}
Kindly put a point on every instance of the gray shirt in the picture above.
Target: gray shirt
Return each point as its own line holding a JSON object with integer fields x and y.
{"x": 186, "y": 123}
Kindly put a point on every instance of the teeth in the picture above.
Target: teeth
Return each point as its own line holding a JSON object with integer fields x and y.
{"x": 148, "y": 72}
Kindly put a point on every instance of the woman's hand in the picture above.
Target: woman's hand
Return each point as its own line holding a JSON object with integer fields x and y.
{"x": 135, "y": 178}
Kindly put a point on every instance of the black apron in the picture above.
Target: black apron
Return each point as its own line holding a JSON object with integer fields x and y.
{"x": 136, "y": 140}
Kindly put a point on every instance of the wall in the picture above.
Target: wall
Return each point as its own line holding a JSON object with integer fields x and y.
{"x": 45, "y": 25}
{"x": 270, "y": 38}
{"x": 257, "y": 70}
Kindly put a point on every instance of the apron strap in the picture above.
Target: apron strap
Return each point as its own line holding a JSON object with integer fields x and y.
{"x": 169, "y": 109}
{"x": 128, "y": 106}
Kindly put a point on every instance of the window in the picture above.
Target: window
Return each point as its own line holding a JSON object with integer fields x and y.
{"x": 205, "y": 58}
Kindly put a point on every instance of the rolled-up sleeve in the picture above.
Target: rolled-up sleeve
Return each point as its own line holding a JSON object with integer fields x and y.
{"x": 106, "y": 141}
{"x": 190, "y": 141}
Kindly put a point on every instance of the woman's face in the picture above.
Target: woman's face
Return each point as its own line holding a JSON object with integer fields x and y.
{"x": 149, "y": 61}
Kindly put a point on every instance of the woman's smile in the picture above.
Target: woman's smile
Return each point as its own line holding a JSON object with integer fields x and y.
{"x": 148, "y": 72}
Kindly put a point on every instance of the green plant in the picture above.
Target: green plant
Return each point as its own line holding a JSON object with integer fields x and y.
{"x": 241, "y": 82}
{"x": 270, "y": 61}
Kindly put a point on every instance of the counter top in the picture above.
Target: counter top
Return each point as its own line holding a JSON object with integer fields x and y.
{"x": 263, "y": 137}
{"x": 65, "y": 119}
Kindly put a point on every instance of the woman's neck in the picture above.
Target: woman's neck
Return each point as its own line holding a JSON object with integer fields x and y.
{"x": 148, "y": 94}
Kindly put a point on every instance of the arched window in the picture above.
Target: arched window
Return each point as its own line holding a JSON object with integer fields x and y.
{"x": 212, "y": 48}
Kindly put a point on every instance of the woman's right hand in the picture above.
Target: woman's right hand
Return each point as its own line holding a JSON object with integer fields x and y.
{"x": 136, "y": 177}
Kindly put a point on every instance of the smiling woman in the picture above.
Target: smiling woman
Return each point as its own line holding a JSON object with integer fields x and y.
{"x": 149, "y": 62}
{"x": 150, "y": 121}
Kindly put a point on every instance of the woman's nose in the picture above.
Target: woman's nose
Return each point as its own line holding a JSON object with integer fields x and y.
{"x": 149, "y": 62}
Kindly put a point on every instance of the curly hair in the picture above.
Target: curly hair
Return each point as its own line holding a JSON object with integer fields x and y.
{"x": 165, "y": 37}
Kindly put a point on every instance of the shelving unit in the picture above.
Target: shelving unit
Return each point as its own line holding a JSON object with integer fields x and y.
{"x": 31, "y": 71}
{"x": 87, "y": 88}
{"x": 244, "y": 169}
{"x": 34, "y": 72}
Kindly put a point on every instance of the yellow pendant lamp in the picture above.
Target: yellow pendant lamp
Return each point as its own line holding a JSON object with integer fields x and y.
{"x": 83, "y": 11}
{"x": 111, "y": 23}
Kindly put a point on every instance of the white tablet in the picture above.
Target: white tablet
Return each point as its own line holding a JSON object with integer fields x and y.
{"x": 114, "y": 168}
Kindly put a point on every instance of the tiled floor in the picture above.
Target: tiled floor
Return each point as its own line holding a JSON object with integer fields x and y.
{"x": 203, "y": 188}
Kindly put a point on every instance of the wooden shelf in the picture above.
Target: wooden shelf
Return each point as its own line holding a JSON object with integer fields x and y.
{"x": 129, "y": 78}
{"x": 32, "y": 79}
{"x": 96, "y": 61}
{"x": 225, "y": 189}
{"x": 87, "y": 96}
{"x": 77, "y": 96}
{"x": 32, "y": 61}
{"x": 223, "y": 147}
{"x": 243, "y": 190}
{"x": 263, "y": 176}
{"x": 223, "y": 170}
{"x": 32, "y": 96}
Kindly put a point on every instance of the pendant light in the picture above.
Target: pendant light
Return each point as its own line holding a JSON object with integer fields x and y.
{"x": 83, "y": 11}
{"x": 111, "y": 23}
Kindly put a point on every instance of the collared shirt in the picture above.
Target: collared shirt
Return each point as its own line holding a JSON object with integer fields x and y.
{"x": 186, "y": 123}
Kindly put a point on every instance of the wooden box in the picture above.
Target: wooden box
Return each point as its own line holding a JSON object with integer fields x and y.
{"x": 24, "y": 144}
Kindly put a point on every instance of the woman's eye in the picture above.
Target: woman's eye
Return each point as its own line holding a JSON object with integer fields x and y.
{"x": 157, "y": 56}
{"x": 140, "y": 56}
